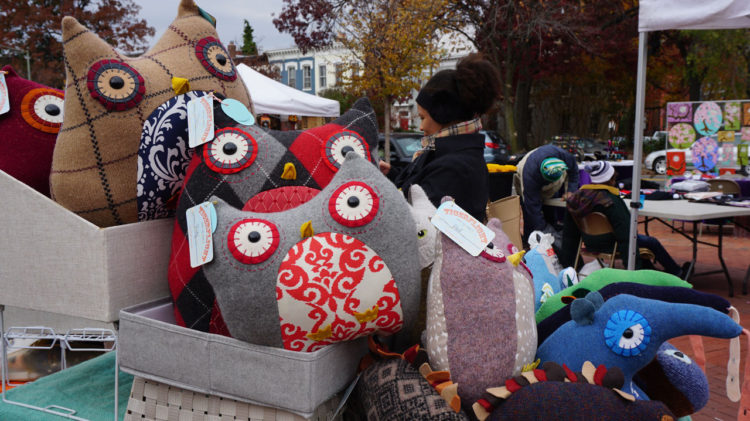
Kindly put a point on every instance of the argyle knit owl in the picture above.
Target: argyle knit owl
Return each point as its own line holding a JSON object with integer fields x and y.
{"x": 109, "y": 98}
{"x": 338, "y": 267}
{"x": 480, "y": 316}
{"x": 29, "y": 130}
{"x": 260, "y": 171}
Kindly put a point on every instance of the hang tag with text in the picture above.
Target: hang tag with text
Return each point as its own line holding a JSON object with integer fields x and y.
{"x": 237, "y": 111}
{"x": 4, "y": 96}
{"x": 462, "y": 228}
{"x": 200, "y": 115}
{"x": 201, "y": 223}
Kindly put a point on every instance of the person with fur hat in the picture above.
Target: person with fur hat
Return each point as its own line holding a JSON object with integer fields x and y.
{"x": 602, "y": 196}
{"x": 451, "y": 160}
{"x": 541, "y": 175}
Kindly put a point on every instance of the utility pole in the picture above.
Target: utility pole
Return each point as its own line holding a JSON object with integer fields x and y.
{"x": 25, "y": 55}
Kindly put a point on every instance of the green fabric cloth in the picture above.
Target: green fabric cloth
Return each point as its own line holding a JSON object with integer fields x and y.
{"x": 604, "y": 277}
{"x": 87, "y": 388}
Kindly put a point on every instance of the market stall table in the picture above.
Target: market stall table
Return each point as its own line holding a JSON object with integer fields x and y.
{"x": 684, "y": 210}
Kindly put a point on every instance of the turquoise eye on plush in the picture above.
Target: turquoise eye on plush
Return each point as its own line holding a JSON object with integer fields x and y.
{"x": 627, "y": 333}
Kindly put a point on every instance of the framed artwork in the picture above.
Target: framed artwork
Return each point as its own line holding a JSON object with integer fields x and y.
{"x": 681, "y": 135}
{"x": 707, "y": 118}
{"x": 746, "y": 113}
{"x": 732, "y": 118}
{"x": 705, "y": 152}
{"x": 679, "y": 112}
{"x": 675, "y": 162}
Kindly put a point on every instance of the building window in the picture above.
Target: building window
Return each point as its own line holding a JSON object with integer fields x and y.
{"x": 291, "y": 75}
{"x": 339, "y": 73}
{"x": 322, "y": 72}
{"x": 306, "y": 77}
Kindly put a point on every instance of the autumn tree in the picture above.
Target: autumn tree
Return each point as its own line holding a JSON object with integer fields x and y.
{"x": 248, "y": 42}
{"x": 34, "y": 25}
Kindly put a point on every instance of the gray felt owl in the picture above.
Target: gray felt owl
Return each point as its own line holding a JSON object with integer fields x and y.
{"x": 340, "y": 266}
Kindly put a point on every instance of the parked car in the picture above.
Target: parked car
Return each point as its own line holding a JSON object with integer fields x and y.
{"x": 497, "y": 151}
{"x": 657, "y": 160}
{"x": 403, "y": 146}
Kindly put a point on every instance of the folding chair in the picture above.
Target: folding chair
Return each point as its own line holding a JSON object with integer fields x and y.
{"x": 596, "y": 223}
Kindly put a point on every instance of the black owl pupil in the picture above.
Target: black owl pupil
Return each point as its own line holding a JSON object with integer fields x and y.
{"x": 221, "y": 59}
{"x": 116, "y": 82}
{"x": 679, "y": 354}
{"x": 52, "y": 109}
{"x": 346, "y": 149}
{"x": 490, "y": 246}
{"x": 254, "y": 237}
{"x": 229, "y": 148}
{"x": 627, "y": 334}
{"x": 353, "y": 202}
{"x": 421, "y": 233}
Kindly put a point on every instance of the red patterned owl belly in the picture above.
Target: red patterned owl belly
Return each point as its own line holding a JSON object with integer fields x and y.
{"x": 331, "y": 288}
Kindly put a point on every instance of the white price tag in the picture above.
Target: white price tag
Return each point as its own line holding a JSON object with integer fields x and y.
{"x": 201, "y": 223}
{"x": 200, "y": 115}
{"x": 461, "y": 227}
{"x": 4, "y": 96}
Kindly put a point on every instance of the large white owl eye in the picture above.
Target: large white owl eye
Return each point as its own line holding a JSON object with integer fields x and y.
{"x": 493, "y": 253}
{"x": 215, "y": 58}
{"x": 231, "y": 151}
{"x": 340, "y": 144}
{"x": 116, "y": 85}
{"x": 354, "y": 204}
{"x": 42, "y": 108}
{"x": 252, "y": 241}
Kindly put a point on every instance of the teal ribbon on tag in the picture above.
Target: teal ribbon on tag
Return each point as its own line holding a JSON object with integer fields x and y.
{"x": 237, "y": 111}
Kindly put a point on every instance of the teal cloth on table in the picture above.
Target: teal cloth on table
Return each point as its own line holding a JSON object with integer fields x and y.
{"x": 87, "y": 388}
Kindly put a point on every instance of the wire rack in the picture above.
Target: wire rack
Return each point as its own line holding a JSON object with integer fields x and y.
{"x": 74, "y": 340}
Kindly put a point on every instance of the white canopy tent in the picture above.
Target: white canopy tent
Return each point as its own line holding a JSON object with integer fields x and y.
{"x": 659, "y": 15}
{"x": 272, "y": 97}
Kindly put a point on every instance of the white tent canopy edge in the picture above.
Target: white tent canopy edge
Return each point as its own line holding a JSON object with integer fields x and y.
{"x": 659, "y": 15}
{"x": 272, "y": 97}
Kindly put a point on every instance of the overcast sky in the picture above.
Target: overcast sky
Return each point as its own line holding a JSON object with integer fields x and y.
{"x": 229, "y": 15}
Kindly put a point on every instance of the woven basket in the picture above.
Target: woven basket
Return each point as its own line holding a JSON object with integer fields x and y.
{"x": 153, "y": 401}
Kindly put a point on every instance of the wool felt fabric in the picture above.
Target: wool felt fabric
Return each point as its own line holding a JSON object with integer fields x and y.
{"x": 29, "y": 130}
{"x": 542, "y": 262}
{"x": 600, "y": 171}
{"x": 602, "y": 278}
{"x": 163, "y": 157}
{"x": 676, "y": 380}
{"x": 626, "y": 331}
{"x": 480, "y": 324}
{"x": 356, "y": 275}
{"x": 669, "y": 294}
{"x": 394, "y": 390}
{"x": 109, "y": 98}
{"x": 263, "y": 186}
{"x": 574, "y": 402}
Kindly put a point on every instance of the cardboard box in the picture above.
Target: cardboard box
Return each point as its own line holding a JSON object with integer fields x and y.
{"x": 151, "y": 346}
{"x": 508, "y": 211}
{"x": 54, "y": 261}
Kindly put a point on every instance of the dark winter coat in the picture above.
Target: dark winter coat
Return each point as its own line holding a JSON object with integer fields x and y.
{"x": 455, "y": 168}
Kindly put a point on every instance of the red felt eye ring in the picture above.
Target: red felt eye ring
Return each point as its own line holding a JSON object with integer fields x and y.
{"x": 252, "y": 241}
{"x": 42, "y": 108}
{"x": 494, "y": 254}
{"x": 116, "y": 85}
{"x": 335, "y": 148}
{"x": 231, "y": 151}
{"x": 215, "y": 58}
{"x": 354, "y": 204}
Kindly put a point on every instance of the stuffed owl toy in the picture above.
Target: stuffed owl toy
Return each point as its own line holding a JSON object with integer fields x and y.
{"x": 480, "y": 315}
{"x": 109, "y": 99}
{"x": 338, "y": 267}
{"x": 29, "y": 130}
{"x": 261, "y": 171}
{"x": 626, "y": 331}
{"x": 422, "y": 210}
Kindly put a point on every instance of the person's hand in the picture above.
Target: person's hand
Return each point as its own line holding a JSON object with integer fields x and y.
{"x": 566, "y": 195}
{"x": 384, "y": 167}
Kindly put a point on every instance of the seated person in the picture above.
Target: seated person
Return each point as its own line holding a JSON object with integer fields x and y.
{"x": 602, "y": 196}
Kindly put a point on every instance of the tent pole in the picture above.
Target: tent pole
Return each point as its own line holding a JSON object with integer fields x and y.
{"x": 640, "y": 103}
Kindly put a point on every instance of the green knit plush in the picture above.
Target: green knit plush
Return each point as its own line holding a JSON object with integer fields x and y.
{"x": 604, "y": 277}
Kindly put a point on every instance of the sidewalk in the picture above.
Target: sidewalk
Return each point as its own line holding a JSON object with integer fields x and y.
{"x": 737, "y": 258}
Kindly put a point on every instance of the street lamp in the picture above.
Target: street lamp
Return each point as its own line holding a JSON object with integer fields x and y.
{"x": 25, "y": 55}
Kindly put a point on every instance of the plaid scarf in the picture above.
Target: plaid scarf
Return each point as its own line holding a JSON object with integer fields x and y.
{"x": 466, "y": 127}
{"x": 582, "y": 202}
